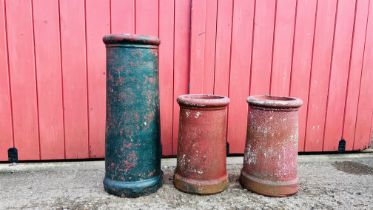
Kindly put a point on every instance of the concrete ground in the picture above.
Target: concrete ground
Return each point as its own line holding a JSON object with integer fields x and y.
{"x": 326, "y": 182}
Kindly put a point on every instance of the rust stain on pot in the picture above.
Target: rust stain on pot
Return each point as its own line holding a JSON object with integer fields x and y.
{"x": 270, "y": 157}
{"x": 201, "y": 159}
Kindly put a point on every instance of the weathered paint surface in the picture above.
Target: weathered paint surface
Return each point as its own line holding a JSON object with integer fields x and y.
{"x": 133, "y": 148}
{"x": 201, "y": 162}
{"x": 270, "y": 162}
{"x": 52, "y": 60}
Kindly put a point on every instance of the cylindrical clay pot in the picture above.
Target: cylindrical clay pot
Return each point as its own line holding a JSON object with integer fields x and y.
{"x": 270, "y": 159}
{"x": 201, "y": 154}
{"x": 133, "y": 149}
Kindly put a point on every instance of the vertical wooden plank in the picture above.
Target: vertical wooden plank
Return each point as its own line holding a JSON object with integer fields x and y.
{"x": 166, "y": 72}
{"x": 197, "y": 46}
{"x": 339, "y": 74}
{"x": 223, "y": 47}
{"x": 209, "y": 50}
{"x": 181, "y": 59}
{"x": 146, "y": 17}
{"x": 48, "y": 66}
{"x": 6, "y": 126}
{"x": 73, "y": 45}
{"x": 203, "y": 36}
{"x": 302, "y": 59}
{"x": 322, "y": 53}
{"x": 356, "y": 64}
{"x": 122, "y": 16}
{"x": 242, "y": 35}
{"x": 98, "y": 24}
{"x": 364, "y": 115}
{"x": 264, "y": 23}
{"x": 23, "y": 78}
{"x": 283, "y": 47}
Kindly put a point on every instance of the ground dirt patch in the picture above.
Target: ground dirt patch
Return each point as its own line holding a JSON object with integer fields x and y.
{"x": 355, "y": 168}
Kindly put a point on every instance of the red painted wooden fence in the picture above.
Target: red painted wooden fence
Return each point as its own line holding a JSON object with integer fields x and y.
{"x": 52, "y": 67}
